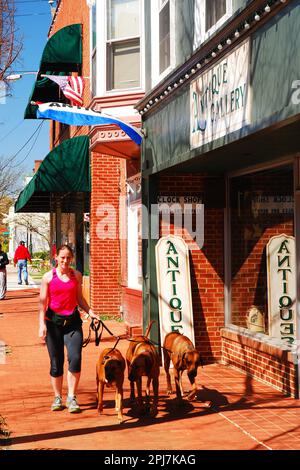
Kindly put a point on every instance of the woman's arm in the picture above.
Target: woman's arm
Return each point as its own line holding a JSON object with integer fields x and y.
{"x": 81, "y": 300}
{"x": 43, "y": 305}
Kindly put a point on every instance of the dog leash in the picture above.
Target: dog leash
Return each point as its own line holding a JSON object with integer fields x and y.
{"x": 106, "y": 357}
{"x": 96, "y": 328}
{"x": 147, "y": 340}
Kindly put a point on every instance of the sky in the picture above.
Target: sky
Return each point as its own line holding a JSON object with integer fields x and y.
{"x": 33, "y": 19}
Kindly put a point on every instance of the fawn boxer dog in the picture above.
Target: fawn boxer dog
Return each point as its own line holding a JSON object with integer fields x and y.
{"x": 143, "y": 360}
{"x": 184, "y": 356}
{"x": 110, "y": 372}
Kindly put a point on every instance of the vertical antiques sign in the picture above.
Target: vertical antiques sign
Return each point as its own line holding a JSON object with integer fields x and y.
{"x": 174, "y": 287}
{"x": 281, "y": 267}
{"x": 220, "y": 98}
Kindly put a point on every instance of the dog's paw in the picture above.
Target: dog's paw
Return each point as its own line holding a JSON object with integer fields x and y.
{"x": 191, "y": 395}
{"x": 153, "y": 411}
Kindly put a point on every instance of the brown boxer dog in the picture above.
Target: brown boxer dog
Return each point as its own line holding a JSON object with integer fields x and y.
{"x": 110, "y": 372}
{"x": 184, "y": 356}
{"x": 143, "y": 360}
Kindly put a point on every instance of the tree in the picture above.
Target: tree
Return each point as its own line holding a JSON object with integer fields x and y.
{"x": 10, "y": 44}
{"x": 9, "y": 188}
{"x": 9, "y": 178}
{"x": 33, "y": 223}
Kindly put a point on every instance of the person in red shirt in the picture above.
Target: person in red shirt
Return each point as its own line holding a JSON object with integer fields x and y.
{"x": 21, "y": 257}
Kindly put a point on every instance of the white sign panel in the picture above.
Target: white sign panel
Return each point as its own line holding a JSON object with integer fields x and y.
{"x": 174, "y": 287}
{"x": 220, "y": 98}
{"x": 281, "y": 265}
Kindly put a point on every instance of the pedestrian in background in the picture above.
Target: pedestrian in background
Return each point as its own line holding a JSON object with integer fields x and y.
{"x": 61, "y": 324}
{"x": 3, "y": 281}
{"x": 21, "y": 257}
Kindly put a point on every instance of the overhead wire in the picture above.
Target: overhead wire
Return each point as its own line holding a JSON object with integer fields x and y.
{"x": 12, "y": 130}
{"x": 24, "y": 145}
{"x": 34, "y": 142}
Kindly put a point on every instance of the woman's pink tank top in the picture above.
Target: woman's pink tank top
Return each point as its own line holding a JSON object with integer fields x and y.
{"x": 63, "y": 295}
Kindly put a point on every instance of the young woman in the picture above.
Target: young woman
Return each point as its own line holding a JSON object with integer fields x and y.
{"x": 60, "y": 324}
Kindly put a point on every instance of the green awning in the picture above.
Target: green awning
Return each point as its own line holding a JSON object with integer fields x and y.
{"x": 63, "y": 50}
{"x": 63, "y": 172}
{"x": 61, "y": 56}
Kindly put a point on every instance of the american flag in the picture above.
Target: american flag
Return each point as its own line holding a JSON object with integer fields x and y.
{"x": 72, "y": 87}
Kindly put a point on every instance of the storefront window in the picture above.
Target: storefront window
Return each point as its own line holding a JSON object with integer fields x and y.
{"x": 261, "y": 207}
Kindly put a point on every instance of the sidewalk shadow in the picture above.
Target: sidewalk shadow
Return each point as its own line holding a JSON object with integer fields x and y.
{"x": 212, "y": 396}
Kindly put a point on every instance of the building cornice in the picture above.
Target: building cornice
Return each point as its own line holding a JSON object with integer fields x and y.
{"x": 120, "y": 100}
{"x": 236, "y": 30}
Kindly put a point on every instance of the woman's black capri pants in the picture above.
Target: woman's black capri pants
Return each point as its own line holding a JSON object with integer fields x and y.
{"x": 57, "y": 337}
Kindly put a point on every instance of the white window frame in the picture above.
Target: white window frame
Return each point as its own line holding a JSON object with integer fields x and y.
{"x": 200, "y": 35}
{"x": 156, "y": 7}
{"x": 93, "y": 51}
{"x": 101, "y": 25}
{"x": 133, "y": 266}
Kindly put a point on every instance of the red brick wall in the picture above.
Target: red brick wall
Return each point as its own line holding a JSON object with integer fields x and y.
{"x": 132, "y": 304}
{"x": 206, "y": 264}
{"x": 264, "y": 362}
{"x": 105, "y": 253}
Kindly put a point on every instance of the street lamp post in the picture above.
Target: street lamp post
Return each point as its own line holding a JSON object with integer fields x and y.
{"x": 17, "y": 76}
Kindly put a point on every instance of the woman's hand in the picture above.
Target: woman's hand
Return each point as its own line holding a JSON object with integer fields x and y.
{"x": 42, "y": 331}
{"x": 92, "y": 315}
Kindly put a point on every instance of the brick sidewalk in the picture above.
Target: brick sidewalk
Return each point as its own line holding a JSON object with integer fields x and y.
{"x": 245, "y": 414}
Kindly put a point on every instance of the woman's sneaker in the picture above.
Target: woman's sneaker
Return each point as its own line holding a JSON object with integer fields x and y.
{"x": 57, "y": 404}
{"x": 72, "y": 405}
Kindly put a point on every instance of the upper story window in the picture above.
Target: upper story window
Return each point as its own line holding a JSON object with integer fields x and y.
{"x": 162, "y": 38}
{"x": 209, "y": 16}
{"x": 123, "y": 44}
{"x": 214, "y": 11}
{"x": 164, "y": 35}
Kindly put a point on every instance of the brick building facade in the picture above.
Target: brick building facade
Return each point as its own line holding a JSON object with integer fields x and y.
{"x": 216, "y": 131}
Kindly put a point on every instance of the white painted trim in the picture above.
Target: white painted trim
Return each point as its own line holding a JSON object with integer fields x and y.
{"x": 261, "y": 337}
{"x": 200, "y": 35}
{"x": 156, "y": 77}
{"x": 101, "y": 53}
{"x": 126, "y": 111}
{"x": 132, "y": 246}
